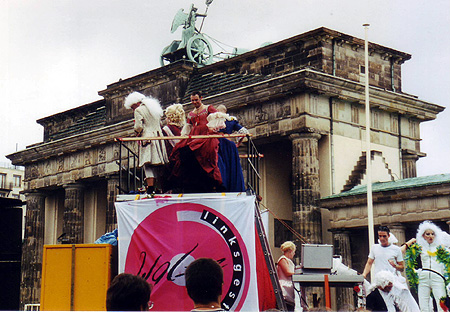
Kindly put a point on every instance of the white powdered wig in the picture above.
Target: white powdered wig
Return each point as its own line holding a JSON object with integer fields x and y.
{"x": 216, "y": 120}
{"x": 153, "y": 106}
{"x": 175, "y": 115}
{"x": 440, "y": 237}
{"x": 382, "y": 279}
{"x": 133, "y": 98}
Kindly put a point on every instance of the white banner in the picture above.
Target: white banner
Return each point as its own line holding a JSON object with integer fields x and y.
{"x": 158, "y": 238}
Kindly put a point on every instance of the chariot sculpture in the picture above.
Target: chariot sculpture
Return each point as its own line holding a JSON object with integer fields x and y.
{"x": 193, "y": 44}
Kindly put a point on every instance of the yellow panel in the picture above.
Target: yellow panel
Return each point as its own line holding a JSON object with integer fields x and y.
{"x": 92, "y": 276}
{"x": 56, "y": 276}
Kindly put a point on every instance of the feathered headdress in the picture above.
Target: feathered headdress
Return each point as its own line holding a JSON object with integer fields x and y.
{"x": 133, "y": 98}
{"x": 439, "y": 235}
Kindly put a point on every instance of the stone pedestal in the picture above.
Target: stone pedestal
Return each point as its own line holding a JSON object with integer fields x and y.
{"x": 112, "y": 191}
{"x": 32, "y": 249}
{"x": 74, "y": 213}
{"x": 305, "y": 186}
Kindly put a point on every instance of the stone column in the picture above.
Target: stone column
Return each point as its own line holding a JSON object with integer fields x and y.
{"x": 32, "y": 249}
{"x": 112, "y": 192}
{"x": 409, "y": 165}
{"x": 307, "y": 220}
{"x": 74, "y": 213}
{"x": 305, "y": 186}
{"x": 341, "y": 242}
{"x": 399, "y": 231}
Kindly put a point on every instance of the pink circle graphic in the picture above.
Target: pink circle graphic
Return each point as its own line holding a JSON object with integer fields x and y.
{"x": 171, "y": 237}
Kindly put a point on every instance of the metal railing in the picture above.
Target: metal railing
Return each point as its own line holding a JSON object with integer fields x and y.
{"x": 32, "y": 307}
{"x": 131, "y": 177}
{"x": 252, "y": 167}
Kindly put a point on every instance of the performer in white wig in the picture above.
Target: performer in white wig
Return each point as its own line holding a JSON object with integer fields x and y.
{"x": 232, "y": 125}
{"x": 385, "y": 296}
{"x": 147, "y": 123}
{"x": 431, "y": 241}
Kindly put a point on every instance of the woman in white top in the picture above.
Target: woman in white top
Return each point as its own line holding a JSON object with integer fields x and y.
{"x": 285, "y": 270}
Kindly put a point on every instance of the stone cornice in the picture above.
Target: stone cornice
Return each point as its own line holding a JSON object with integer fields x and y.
{"x": 387, "y": 196}
{"x": 329, "y": 85}
{"x": 345, "y": 89}
{"x": 40, "y": 151}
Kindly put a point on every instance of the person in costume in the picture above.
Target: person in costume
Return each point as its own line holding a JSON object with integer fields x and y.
{"x": 232, "y": 125}
{"x": 147, "y": 123}
{"x": 384, "y": 296}
{"x": 431, "y": 244}
{"x": 229, "y": 162}
{"x": 195, "y": 168}
{"x": 285, "y": 270}
{"x": 175, "y": 121}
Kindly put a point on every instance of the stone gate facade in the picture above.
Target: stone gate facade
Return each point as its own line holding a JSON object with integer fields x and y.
{"x": 301, "y": 98}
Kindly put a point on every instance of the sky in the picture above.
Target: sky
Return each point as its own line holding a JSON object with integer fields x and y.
{"x": 56, "y": 55}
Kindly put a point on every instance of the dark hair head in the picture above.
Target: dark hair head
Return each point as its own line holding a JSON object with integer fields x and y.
{"x": 127, "y": 292}
{"x": 204, "y": 279}
{"x": 383, "y": 228}
{"x": 197, "y": 93}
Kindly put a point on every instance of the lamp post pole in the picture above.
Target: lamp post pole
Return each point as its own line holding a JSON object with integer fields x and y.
{"x": 368, "y": 148}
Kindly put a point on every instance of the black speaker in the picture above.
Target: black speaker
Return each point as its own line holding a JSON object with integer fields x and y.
{"x": 10, "y": 253}
{"x": 10, "y": 233}
{"x": 10, "y": 285}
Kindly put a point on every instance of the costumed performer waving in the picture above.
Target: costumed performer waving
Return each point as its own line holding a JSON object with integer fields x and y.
{"x": 433, "y": 267}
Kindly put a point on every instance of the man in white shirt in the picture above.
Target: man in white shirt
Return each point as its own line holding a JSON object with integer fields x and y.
{"x": 388, "y": 257}
{"x": 385, "y": 256}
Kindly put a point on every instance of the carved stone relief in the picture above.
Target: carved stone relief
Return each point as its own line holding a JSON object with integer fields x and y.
{"x": 101, "y": 154}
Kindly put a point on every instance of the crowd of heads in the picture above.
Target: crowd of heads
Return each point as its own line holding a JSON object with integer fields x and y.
{"x": 128, "y": 292}
{"x": 204, "y": 280}
{"x": 203, "y": 277}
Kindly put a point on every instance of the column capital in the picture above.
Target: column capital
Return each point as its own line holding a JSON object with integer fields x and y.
{"x": 304, "y": 135}
{"x": 340, "y": 231}
{"x": 34, "y": 193}
{"x": 396, "y": 226}
{"x": 77, "y": 186}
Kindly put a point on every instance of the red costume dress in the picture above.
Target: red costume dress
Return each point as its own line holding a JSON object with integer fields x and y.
{"x": 195, "y": 160}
